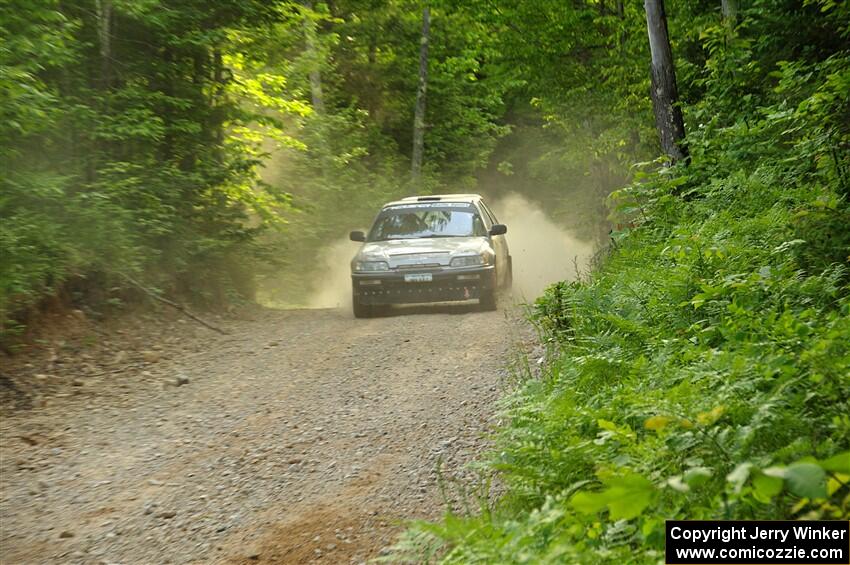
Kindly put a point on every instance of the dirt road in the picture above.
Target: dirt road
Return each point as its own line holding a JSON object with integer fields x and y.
{"x": 302, "y": 436}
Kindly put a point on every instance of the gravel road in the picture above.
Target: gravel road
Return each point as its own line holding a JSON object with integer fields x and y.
{"x": 302, "y": 436}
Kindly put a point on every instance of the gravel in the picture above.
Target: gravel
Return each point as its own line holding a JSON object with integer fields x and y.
{"x": 303, "y": 436}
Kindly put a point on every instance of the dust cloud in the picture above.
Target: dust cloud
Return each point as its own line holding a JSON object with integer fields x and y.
{"x": 543, "y": 253}
{"x": 333, "y": 283}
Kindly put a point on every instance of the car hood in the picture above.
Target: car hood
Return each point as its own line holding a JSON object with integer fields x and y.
{"x": 422, "y": 252}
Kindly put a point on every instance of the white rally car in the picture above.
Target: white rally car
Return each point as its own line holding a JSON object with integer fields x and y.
{"x": 431, "y": 249}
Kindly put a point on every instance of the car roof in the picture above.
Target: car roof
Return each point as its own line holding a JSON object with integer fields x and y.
{"x": 469, "y": 198}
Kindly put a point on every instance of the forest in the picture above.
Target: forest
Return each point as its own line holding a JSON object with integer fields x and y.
{"x": 699, "y": 368}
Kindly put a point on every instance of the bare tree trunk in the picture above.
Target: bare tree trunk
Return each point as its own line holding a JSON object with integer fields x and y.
{"x": 419, "y": 114}
{"x": 729, "y": 9}
{"x": 103, "y": 82}
{"x": 218, "y": 90}
{"x": 621, "y": 14}
{"x": 103, "y": 8}
{"x": 665, "y": 97}
{"x": 729, "y": 12}
{"x": 217, "y": 99}
{"x": 317, "y": 97}
{"x": 372, "y": 100}
{"x": 315, "y": 72}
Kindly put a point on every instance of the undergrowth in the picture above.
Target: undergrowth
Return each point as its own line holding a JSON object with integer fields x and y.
{"x": 701, "y": 372}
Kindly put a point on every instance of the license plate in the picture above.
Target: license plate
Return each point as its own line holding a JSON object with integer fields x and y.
{"x": 418, "y": 277}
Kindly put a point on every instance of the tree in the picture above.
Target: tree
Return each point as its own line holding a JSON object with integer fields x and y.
{"x": 729, "y": 10}
{"x": 103, "y": 9}
{"x": 419, "y": 115}
{"x": 315, "y": 72}
{"x": 665, "y": 97}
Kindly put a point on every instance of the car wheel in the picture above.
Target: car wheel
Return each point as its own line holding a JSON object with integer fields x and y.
{"x": 361, "y": 310}
{"x": 487, "y": 301}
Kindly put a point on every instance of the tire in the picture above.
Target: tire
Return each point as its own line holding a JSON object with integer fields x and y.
{"x": 488, "y": 301}
{"x": 361, "y": 310}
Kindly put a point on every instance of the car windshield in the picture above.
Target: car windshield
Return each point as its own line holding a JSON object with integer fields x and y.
{"x": 411, "y": 222}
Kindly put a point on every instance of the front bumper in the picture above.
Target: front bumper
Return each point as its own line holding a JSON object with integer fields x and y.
{"x": 390, "y": 287}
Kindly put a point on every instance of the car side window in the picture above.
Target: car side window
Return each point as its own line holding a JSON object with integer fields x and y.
{"x": 484, "y": 217}
{"x": 490, "y": 215}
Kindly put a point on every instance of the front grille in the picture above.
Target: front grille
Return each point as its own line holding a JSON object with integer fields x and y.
{"x": 418, "y": 266}
{"x": 431, "y": 255}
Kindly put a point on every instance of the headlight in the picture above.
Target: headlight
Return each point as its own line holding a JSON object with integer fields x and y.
{"x": 371, "y": 266}
{"x": 467, "y": 261}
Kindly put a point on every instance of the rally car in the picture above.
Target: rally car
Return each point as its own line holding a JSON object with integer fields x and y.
{"x": 431, "y": 249}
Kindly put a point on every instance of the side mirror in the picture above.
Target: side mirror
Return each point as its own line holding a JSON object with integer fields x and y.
{"x": 499, "y": 229}
{"x": 357, "y": 236}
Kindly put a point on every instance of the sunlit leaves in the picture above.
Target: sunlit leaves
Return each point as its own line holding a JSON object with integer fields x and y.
{"x": 656, "y": 423}
{"x": 839, "y": 463}
{"x": 151, "y": 153}
{"x": 765, "y": 487}
{"x": 625, "y": 497}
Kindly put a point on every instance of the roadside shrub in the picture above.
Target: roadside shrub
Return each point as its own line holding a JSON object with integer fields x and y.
{"x": 703, "y": 371}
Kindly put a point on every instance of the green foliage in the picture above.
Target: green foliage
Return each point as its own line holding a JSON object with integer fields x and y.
{"x": 353, "y": 155}
{"x": 130, "y": 150}
{"x": 703, "y": 371}
{"x": 187, "y": 134}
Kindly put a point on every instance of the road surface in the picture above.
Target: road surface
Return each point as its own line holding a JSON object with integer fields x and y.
{"x": 303, "y": 436}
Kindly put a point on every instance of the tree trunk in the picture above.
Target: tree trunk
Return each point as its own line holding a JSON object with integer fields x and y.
{"x": 103, "y": 15}
{"x": 621, "y": 15}
{"x": 729, "y": 12}
{"x": 665, "y": 98}
{"x": 419, "y": 114}
{"x": 214, "y": 123}
{"x": 315, "y": 72}
{"x": 373, "y": 97}
{"x": 103, "y": 8}
{"x": 729, "y": 9}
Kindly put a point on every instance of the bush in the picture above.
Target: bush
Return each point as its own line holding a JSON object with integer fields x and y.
{"x": 702, "y": 372}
